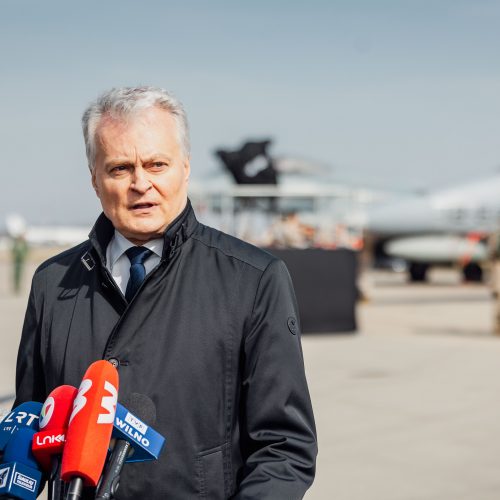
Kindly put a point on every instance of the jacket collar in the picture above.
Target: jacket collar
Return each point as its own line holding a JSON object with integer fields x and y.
{"x": 179, "y": 230}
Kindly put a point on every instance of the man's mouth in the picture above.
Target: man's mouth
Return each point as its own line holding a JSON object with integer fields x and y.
{"x": 142, "y": 206}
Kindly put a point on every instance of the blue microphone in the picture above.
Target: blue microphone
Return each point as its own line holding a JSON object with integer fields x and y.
{"x": 146, "y": 443}
{"x": 24, "y": 415}
{"x": 134, "y": 441}
{"x": 20, "y": 476}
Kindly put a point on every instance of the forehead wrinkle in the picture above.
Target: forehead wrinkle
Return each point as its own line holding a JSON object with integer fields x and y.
{"x": 112, "y": 131}
{"x": 117, "y": 147}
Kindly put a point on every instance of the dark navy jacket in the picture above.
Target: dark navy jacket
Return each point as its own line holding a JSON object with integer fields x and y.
{"x": 211, "y": 337}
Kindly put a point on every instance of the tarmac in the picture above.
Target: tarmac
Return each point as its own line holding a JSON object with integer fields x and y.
{"x": 407, "y": 408}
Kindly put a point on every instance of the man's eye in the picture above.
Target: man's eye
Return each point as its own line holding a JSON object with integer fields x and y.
{"x": 158, "y": 165}
{"x": 118, "y": 168}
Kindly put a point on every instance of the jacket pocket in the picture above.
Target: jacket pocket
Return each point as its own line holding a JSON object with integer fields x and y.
{"x": 210, "y": 472}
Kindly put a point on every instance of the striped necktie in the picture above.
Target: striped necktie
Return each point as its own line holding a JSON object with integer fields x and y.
{"x": 137, "y": 256}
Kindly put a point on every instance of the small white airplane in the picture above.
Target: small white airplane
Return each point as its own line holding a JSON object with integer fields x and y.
{"x": 447, "y": 226}
{"x": 62, "y": 236}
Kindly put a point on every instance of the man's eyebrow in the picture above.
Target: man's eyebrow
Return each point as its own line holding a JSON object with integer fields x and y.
{"x": 157, "y": 157}
{"x": 118, "y": 161}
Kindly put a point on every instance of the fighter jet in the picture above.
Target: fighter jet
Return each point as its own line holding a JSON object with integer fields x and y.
{"x": 447, "y": 226}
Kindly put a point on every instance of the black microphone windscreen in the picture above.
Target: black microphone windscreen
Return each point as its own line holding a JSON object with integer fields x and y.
{"x": 141, "y": 406}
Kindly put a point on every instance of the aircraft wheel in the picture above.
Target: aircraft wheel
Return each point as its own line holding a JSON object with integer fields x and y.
{"x": 473, "y": 272}
{"x": 418, "y": 271}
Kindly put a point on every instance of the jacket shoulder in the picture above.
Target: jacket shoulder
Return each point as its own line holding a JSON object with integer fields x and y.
{"x": 66, "y": 258}
{"x": 233, "y": 247}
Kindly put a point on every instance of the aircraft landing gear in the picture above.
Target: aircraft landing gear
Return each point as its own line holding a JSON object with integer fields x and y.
{"x": 472, "y": 272}
{"x": 418, "y": 271}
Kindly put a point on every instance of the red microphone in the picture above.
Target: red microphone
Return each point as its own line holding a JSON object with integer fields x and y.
{"x": 90, "y": 427}
{"x": 48, "y": 444}
{"x": 54, "y": 419}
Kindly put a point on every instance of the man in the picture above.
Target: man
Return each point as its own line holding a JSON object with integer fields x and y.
{"x": 202, "y": 323}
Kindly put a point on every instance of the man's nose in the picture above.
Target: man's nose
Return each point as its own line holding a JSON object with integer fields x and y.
{"x": 140, "y": 180}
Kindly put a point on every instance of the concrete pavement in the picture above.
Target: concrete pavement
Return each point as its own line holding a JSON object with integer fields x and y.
{"x": 409, "y": 407}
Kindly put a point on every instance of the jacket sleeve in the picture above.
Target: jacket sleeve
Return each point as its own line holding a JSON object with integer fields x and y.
{"x": 279, "y": 436}
{"x": 30, "y": 380}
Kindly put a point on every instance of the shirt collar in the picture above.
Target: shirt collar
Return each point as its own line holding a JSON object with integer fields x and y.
{"x": 119, "y": 245}
{"x": 176, "y": 234}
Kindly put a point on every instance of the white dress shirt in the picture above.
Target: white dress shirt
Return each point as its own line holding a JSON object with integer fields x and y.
{"x": 118, "y": 263}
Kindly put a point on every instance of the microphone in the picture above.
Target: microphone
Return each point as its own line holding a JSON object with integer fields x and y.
{"x": 24, "y": 415}
{"x": 90, "y": 427}
{"x": 146, "y": 442}
{"x": 48, "y": 444}
{"x": 135, "y": 442}
{"x": 20, "y": 476}
{"x": 54, "y": 418}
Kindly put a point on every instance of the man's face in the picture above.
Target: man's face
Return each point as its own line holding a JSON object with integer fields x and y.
{"x": 140, "y": 173}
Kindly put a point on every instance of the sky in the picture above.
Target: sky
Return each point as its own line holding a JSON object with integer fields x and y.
{"x": 400, "y": 94}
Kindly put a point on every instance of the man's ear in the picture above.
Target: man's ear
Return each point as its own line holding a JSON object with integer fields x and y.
{"x": 187, "y": 168}
{"x": 94, "y": 182}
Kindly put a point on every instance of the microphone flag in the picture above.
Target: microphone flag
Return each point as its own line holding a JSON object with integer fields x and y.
{"x": 135, "y": 441}
{"x": 24, "y": 415}
{"x": 147, "y": 444}
{"x": 20, "y": 475}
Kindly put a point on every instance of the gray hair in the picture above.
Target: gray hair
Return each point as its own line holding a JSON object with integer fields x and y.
{"x": 123, "y": 102}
